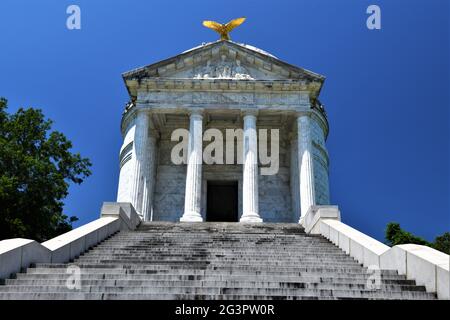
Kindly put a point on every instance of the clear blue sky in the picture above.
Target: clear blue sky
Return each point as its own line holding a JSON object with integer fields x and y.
{"x": 386, "y": 92}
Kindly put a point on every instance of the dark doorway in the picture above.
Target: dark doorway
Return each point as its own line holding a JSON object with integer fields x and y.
{"x": 222, "y": 201}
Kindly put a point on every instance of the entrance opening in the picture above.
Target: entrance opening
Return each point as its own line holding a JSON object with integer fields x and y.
{"x": 222, "y": 201}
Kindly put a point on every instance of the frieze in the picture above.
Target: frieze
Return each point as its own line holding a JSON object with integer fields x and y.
{"x": 233, "y": 98}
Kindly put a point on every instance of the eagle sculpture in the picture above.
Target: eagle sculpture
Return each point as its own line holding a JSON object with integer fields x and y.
{"x": 224, "y": 29}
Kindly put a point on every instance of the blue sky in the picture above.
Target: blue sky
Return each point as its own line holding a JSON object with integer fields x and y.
{"x": 386, "y": 92}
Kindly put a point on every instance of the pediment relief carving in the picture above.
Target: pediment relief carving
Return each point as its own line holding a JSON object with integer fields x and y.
{"x": 223, "y": 70}
{"x": 222, "y": 66}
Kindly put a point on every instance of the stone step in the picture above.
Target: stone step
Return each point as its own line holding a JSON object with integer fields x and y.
{"x": 307, "y": 277}
{"x": 211, "y": 267}
{"x": 248, "y": 250}
{"x": 193, "y": 271}
{"x": 219, "y": 250}
{"x": 210, "y": 263}
{"x": 215, "y": 261}
{"x": 298, "y": 246}
{"x": 350, "y": 285}
{"x": 225, "y": 261}
{"x": 296, "y": 290}
{"x": 314, "y": 295}
{"x": 246, "y": 245}
{"x": 216, "y": 227}
{"x": 225, "y": 256}
{"x": 218, "y": 234}
{"x": 224, "y": 231}
{"x": 219, "y": 237}
{"x": 214, "y": 244}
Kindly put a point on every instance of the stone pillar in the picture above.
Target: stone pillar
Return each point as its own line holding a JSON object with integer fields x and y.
{"x": 250, "y": 170}
{"x": 192, "y": 198}
{"x": 306, "y": 165}
{"x": 149, "y": 176}
{"x": 294, "y": 183}
{"x": 140, "y": 159}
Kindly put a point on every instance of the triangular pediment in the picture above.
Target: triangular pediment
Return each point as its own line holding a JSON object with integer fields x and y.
{"x": 223, "y": 60}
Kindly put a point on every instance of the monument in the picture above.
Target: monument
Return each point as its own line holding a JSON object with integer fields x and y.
{"x": 225, "y": 86}
{"x": 284, "y": 241}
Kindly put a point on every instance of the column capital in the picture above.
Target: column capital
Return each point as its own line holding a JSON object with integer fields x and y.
{"x": 142, "y": 109}
{"x": 300, "y": 114}
{"x": 196, "y": 112}
{"x": 249, "y": 112}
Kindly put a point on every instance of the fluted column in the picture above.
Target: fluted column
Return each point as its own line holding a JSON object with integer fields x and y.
{"x": 294, "y": 183}
{"x": 149, "y": 176}
{"x": 192, "y": 198}
{"x": 140, "y": 159}
{"x": 250, "y": 212}
{"x": 306, "y": 164}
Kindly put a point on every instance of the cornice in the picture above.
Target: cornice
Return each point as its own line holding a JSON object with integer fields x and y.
{"x": 162, "y": 84}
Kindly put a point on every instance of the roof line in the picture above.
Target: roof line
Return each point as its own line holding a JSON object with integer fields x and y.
{"x": 266, "y": 56}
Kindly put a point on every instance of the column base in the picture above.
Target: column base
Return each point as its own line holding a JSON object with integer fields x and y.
{"x": 191, "y": 217}
{"x": 301, "y": 221}
{"x": 251, "y": 217}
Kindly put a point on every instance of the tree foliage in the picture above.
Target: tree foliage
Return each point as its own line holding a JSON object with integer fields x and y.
{"x": 36, "y": 167}
{"x": 395, "y": 235}
{"x": 442, "y": 243}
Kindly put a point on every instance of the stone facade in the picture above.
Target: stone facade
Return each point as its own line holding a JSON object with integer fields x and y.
{"x": 223, "y": 85}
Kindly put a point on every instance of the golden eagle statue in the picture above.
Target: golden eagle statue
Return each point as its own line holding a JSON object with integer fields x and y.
{"x": 224, "y": 29}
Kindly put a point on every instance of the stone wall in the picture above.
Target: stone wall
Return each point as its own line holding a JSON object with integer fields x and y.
{"x": 274, "y": 190}
{"x": 170, "y": 183}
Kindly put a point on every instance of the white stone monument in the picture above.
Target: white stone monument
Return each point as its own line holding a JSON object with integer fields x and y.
{"x": 223, "y": 89}
{"x": 223, "y": 85}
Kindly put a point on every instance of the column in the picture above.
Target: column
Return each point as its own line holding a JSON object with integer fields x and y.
{"x": 149, "y": 176}
{"x": 294, "y": 183}
{"x": 305, "y": 162}
{"x": 250, "y": 170}
{"x": 139, "y": 153}
{"x": 192, "y": 198}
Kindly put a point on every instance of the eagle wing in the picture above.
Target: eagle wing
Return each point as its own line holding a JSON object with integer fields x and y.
{"x": 213, "y": 25}
{"x": 234, "y": 23}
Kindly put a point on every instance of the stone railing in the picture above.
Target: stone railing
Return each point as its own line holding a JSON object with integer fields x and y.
{"x": 427, "y": 266}
{"x": 16, "y": 254}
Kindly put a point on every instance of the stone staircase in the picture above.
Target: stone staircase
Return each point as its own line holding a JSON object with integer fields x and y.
{"x": 205, "y": 261}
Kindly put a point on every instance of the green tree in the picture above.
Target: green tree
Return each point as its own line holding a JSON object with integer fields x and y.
{"x": 442, "y": 243}
{"x": 36, "y": 167}
{"x": 396, "y": 235}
